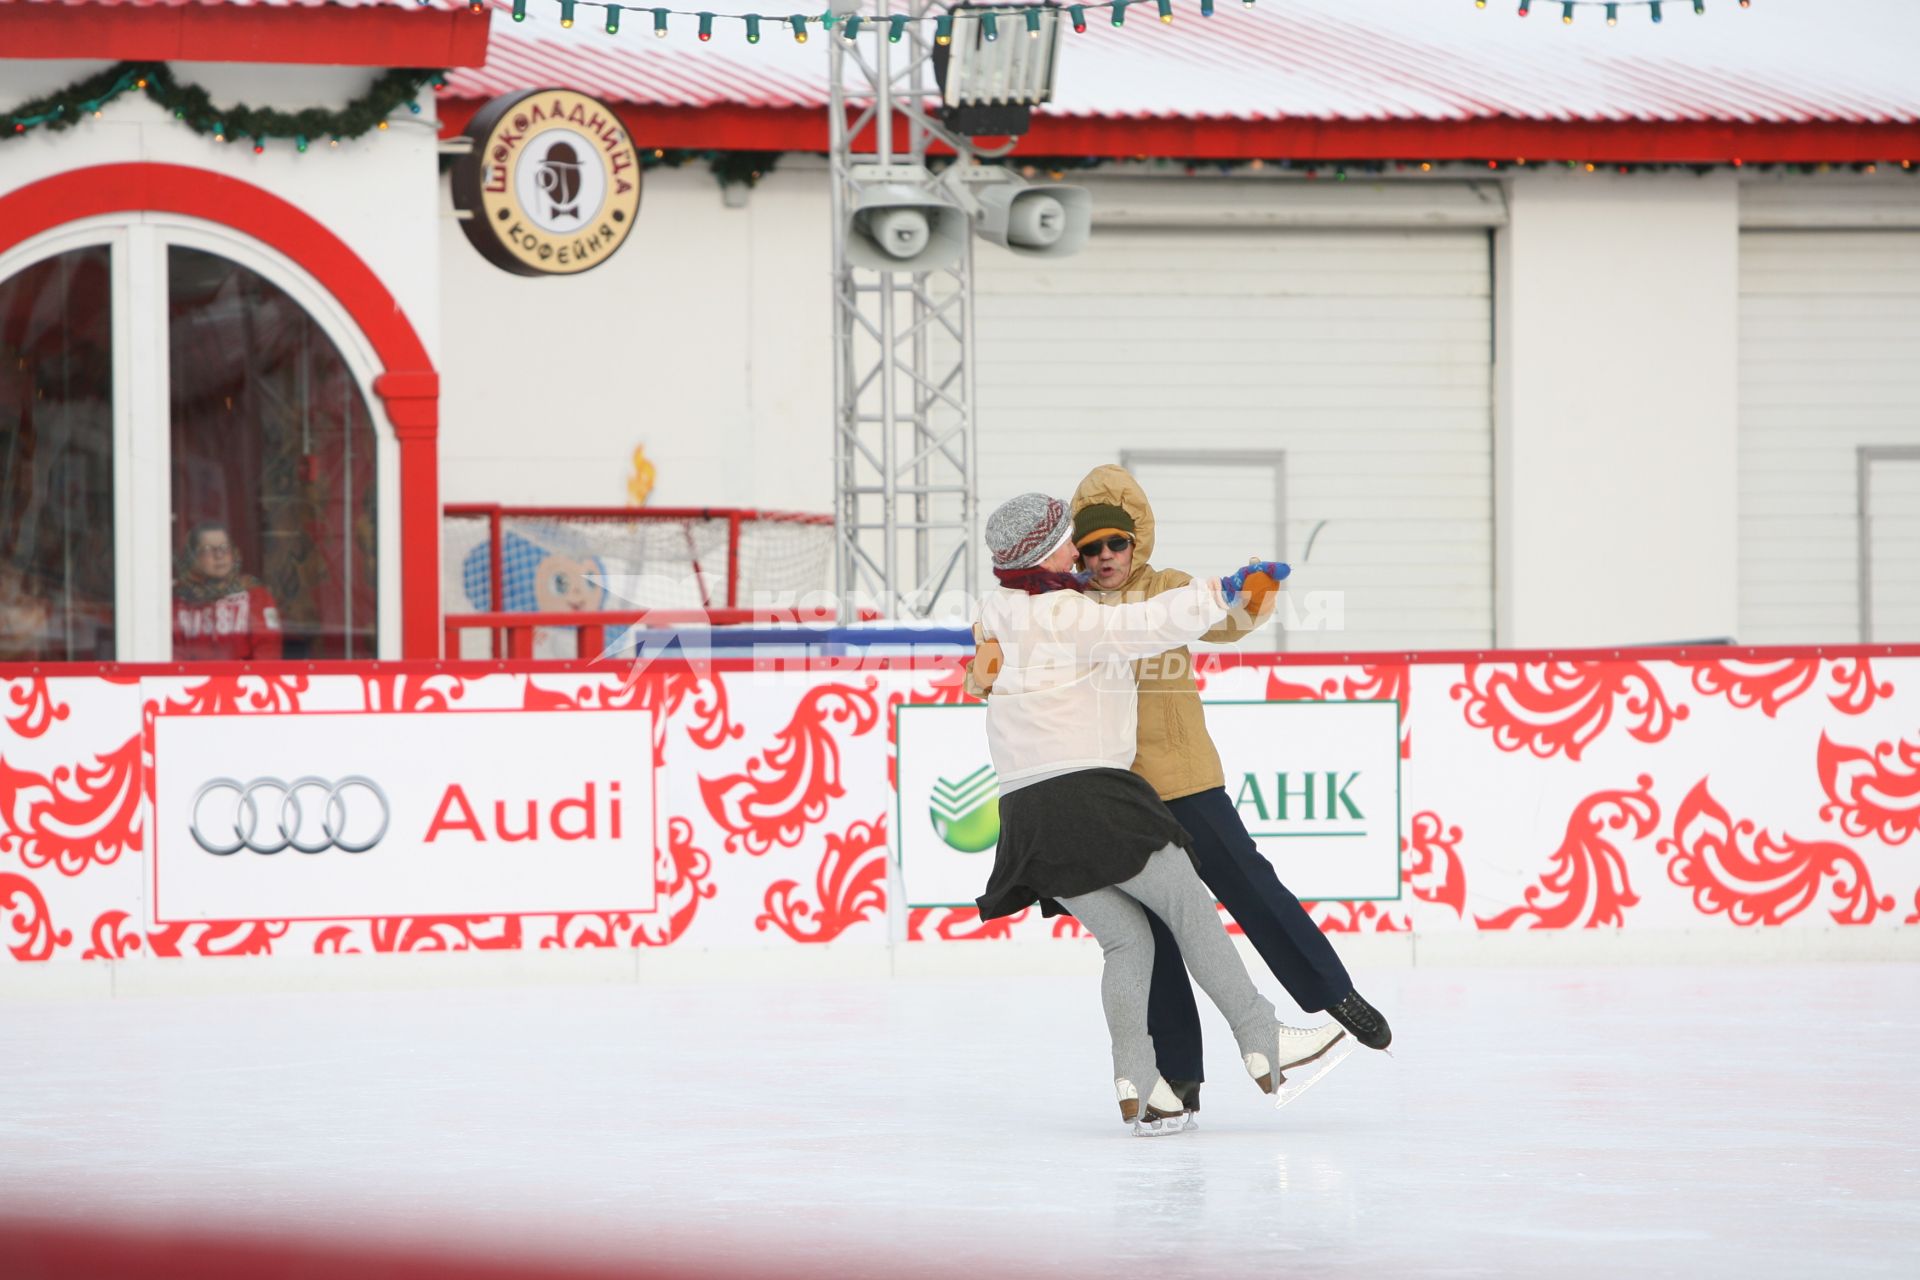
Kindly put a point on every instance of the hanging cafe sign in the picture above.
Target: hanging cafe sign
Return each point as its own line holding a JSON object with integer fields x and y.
{"x": 552, "y": 185}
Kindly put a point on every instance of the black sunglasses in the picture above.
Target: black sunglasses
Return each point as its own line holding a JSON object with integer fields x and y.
{"x": 1115, "y": 544}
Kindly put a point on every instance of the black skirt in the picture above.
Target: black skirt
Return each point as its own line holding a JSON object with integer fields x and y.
{"x": 1073, "y": 834}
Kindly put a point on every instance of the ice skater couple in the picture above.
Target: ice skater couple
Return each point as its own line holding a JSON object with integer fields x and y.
{"x": 1112, "y": 795}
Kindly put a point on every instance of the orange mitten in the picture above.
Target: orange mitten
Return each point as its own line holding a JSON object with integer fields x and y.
{"x": 1258, "y": 593}
{"x": 984, "y": 669}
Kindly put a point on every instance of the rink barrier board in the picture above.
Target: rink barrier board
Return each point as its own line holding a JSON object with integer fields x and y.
{"x": 1685, "y": 801}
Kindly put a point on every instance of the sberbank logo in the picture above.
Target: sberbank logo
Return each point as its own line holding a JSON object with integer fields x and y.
{"x": 1301, "y": 804}
{"x": 966, "y": 814}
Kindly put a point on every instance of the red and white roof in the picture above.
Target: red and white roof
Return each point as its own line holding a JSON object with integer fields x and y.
{"x": 449, "y": 5}
{"x": 402, "y": 33}
{"x": 1785, "y": 60}
{"x": 1435, "y": 78}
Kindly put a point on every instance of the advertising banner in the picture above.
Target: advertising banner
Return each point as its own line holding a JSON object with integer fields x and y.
{"x": 1684, "y": 794}
{"x": 1317, "y": 785}
{"x": 291, "y": 817}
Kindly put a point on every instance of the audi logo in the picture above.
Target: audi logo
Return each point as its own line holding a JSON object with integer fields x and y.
{"x": 288, "y": 826}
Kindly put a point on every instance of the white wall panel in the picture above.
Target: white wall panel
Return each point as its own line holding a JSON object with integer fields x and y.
{"x": 1362, "y": 355}
{"x": 1829, "y": 364}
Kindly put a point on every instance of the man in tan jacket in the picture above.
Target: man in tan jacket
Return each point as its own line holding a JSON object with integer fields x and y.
{"x": 1113, "y": 529}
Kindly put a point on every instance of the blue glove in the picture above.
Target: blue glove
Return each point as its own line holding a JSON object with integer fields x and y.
{"x": 1234, "y": 584}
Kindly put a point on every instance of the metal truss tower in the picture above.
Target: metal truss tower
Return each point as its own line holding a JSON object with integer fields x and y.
{"x": 905, "y": 460}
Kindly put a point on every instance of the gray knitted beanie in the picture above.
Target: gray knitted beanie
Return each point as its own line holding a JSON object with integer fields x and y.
{"x": 1021, "y": 531}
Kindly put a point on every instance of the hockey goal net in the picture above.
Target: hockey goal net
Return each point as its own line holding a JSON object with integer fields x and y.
{"x": 716, "y": 560}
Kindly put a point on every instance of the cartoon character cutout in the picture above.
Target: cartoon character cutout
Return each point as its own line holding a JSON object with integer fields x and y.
{"x": 559, "y": 578}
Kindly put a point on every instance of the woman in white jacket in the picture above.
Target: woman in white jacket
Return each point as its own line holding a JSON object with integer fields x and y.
{"x": 1079, "y": 830}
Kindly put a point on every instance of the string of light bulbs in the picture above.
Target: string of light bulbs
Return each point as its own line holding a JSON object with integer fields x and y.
{"x": 1025, "y": 17}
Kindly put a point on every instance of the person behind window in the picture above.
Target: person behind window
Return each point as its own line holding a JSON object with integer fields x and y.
{"x": 27, "y": 628}
{"x": 220, "y": 613}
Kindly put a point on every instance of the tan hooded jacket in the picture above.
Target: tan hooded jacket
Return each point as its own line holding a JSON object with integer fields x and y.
{"x": 1176, "y": 755}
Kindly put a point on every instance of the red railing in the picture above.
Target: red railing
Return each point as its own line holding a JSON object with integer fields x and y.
{"x": 513, "y": 631}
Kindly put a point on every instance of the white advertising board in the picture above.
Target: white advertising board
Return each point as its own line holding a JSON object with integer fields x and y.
{"x": 1316, "y": 783}
{"x": 318, "y": 816}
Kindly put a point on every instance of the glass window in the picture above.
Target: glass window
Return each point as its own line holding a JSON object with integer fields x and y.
{"x": 273, "y": 474}
{"x": 56, "y": 460}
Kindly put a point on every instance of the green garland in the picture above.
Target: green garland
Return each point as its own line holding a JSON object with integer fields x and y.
{"x": 191, "y": 105}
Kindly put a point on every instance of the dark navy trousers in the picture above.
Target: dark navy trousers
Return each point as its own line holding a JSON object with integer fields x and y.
{"x": 1275, "y": 922}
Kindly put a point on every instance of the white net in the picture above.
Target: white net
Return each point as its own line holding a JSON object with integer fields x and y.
{"x": 553, "y": 562}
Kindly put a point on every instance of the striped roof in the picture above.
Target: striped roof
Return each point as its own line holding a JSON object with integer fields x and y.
{"x": 245, "y": 4}
{"x": 1779, "y": 62}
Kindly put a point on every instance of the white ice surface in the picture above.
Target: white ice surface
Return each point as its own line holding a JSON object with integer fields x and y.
{"x": 1755, "y": 1120}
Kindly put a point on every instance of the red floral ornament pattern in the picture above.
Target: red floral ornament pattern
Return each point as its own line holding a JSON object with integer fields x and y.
{"x": 1280, "y": 689}
{"x": 1744, "y": 683}
{"x": 30, "y": 922}
{"x": 949, "y": 688}
{"x": 75, "y": 817}
{"x": 1875, "y": 794}
{"x": 588, "y": 929}
{"x": 1774, "y": 683}
{"x": 224, "y": 695}
{"x": 1756, "y": 878}
{"x": 851, "y": 884}
{"x": 1435, "y": 873}
{"x": 1386, "y": 682}
{"x": 681, "y": 870}
{"x": 1550, "y": 708}
{"x": 1858, "y": 689}
{"x": 228, "y": 938}
{"x": 658, "y": 689}
{"x": 786, "y": 788}
{"x": 426, "y": 933}
{"x": 962, "y": 924}
{"x": 1330, "y": 918}
{"x": 112, "y": 940}
{"x": 38, "y": 710}
{"x": 1586, "y": 883}
{"x": 397, "y": 691}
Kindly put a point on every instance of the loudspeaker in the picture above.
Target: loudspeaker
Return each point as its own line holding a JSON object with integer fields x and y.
{"x": 1047, "y": 221}
{"x": 896, "y": 227}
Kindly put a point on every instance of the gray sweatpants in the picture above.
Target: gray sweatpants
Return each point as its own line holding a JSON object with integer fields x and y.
{"x": 1168, "y": 887}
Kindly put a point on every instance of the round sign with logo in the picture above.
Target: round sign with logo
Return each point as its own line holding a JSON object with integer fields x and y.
{"x": 552, "y": 185}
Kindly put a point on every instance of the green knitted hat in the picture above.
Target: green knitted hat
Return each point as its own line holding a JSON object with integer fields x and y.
{"x": 1097, "y": 519}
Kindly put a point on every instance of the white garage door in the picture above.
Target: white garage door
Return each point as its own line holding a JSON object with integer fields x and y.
{"x": 1829, "y": 366}
{"x": 1890, "y": 543}
{"x": 1352, "y": 366}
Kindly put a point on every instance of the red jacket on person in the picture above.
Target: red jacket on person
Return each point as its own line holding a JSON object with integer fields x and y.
{"x": 236, "y": 625}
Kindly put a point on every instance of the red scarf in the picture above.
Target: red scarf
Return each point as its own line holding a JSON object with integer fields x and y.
{"x": 1038, "y": 581}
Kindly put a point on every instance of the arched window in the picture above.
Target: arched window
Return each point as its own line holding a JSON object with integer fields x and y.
{"x": 274, "y": 473}
{"x": 56, "y": 460}
{"x": 192, "y": 462}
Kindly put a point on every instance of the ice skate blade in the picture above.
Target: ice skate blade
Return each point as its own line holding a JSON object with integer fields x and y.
{"x": 1303, "y": 1077}
{"x": 1182, "y": 1123}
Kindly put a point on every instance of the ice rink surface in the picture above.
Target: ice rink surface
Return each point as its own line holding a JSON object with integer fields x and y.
{"x": 1750, "y": 1121}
